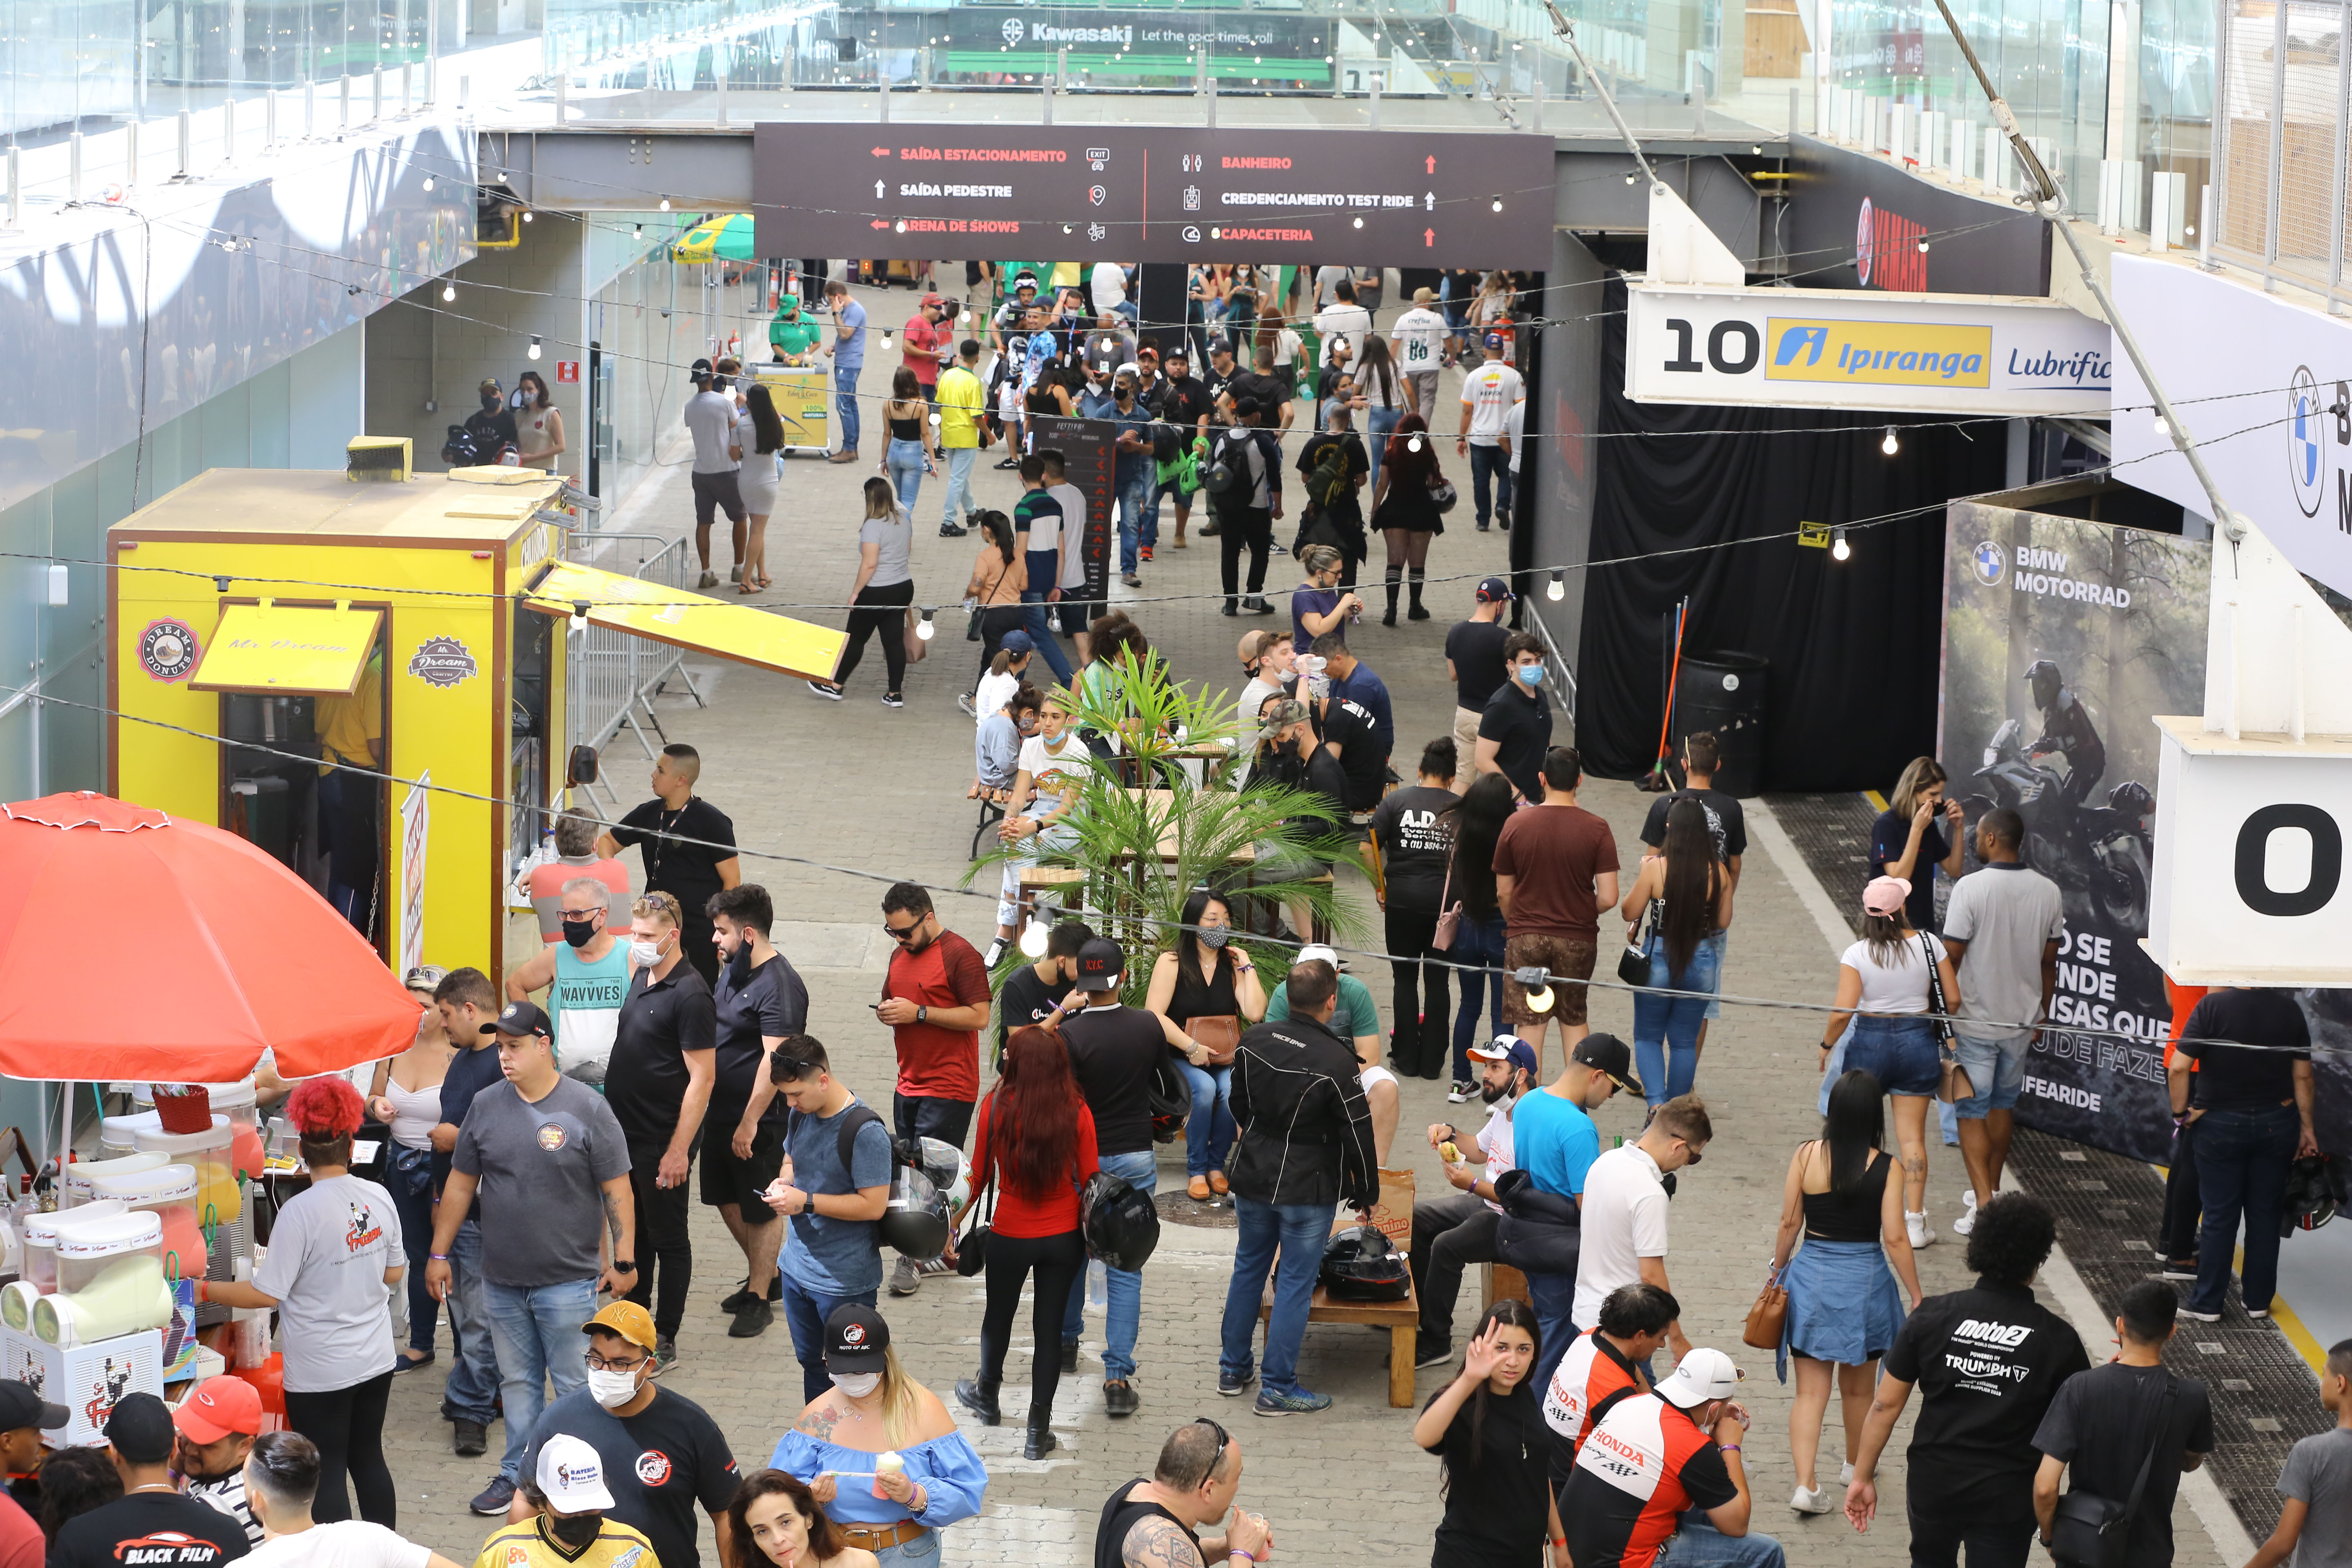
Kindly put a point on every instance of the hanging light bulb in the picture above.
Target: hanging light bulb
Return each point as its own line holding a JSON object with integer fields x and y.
{"x": 964, "y": 319}
{"x": 1413, "y": 445}
{"x": 2163, "y": 430}
{"x": 448, "y": 293}
{"x": 1539, "y": 1000}
{"x": 637, "y": 231}
{"x": 1839, "y": 549}
{"x": 664, "y": 201}
{"x": 935, "y": 418}
{"x": 502, "y": 177}
{"x": 1360, "y": 222}
{"x": 1557, "y": 589}
{"x": 1498, "y": 204}
{"x": 534, "y": 348}
{"x": 579, "y": 614}
{"x": 1630, "y": 176}
{"x": 1890, "y": 446}
{"x": 924, "y": 628}
{"x": 428, "y": 181}
{"x": 1033, "y": 938}
{"x": 1923, "y": 246}
{"x": 526, "y": 214}
{"x": 885, "y": 337}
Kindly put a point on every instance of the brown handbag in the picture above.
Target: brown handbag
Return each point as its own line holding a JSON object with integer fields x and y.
{"x": 1768, "y": 1320}
{"x": 1221, "y": 1033}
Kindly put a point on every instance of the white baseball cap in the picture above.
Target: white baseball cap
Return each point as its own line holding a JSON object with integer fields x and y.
{"x": 1704, "y": 1374}
{"x": 1315, "y": 950}
{"x": 571, "y": 1475}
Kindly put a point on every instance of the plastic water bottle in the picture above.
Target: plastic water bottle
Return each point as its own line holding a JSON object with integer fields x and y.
{"x": 1097, "y": 1285}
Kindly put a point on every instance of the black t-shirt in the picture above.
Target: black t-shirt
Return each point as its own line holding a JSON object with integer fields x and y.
{"x": 688, "y": 871}
{"x": 1724, "y": 820}
{"x": 1987, "y": 1361}
{"x": 1185, "y": 402}
{"x": 1114, "y": 1051}
{"x": 1416, "y": 840}
{"x": 1350, "y": 504}
{"x": 2101, "y": 1425}
{"x": 661, "y": 1020}
{"x": 1363, "y": 763}
{"x": 1026, "y": 999}
{"x": 493, "y": 425}
{"x": 1270, "y": 392}
{"x": 658, "y": 1464}
{"x": 1523, "y": 726}
{"x": 149, "y": 1530}
{"x": 1888, "y": 834}
{"x": 470, "y": 1072}
{"x": 1497, "y": 1500}
{"x": 1215, "y": 381}
{"x": 1476, "y": 649}
{"x": 2234, "y": 1080}
{"x": 752, "y": 1005}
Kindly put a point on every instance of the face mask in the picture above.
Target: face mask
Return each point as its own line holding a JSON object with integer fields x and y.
{"x": 580, "y": 934}
{"x": 612, "y": 1389}
{"x": 859, "y": 1384}
{"x": 575, "y": 1531}
{"x": 645, "y": 954}
{"x": 1502, "y": 1096}
{"x": 1531, "y": 674}
{"x": 1214, "y": 937}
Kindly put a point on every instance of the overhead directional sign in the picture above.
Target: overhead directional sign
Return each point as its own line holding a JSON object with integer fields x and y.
{"x": 1151, "y": 194}
{"x": 1829, "y": 348}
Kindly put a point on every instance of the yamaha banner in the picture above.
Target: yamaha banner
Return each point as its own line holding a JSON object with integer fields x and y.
{"x": 2063, "y": 639}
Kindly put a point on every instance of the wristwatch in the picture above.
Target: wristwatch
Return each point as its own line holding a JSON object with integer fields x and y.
{"x": 922, "y": 1015}
{"x": 624, "y": 1266}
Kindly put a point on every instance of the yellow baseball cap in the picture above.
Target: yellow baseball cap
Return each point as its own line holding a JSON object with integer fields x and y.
{"x": 625, "y": 1318}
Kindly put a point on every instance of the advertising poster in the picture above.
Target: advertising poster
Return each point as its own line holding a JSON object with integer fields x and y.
{"x": 2063, "y": 639}
{"x": 415, "y": 814}
{"x": 1086, "y": 460}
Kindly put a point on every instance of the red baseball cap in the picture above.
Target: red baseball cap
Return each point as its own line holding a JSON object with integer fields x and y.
{"x": 218, "y": 1408}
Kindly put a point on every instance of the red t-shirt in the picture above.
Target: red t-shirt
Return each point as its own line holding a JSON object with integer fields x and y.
{"x": 936, "y": 1063}
{"x": 21, "y": 1543}
{"x": 923, "y": 340}
{"x": 1553, "y": 853}
{"x": 1053, "y": 1212}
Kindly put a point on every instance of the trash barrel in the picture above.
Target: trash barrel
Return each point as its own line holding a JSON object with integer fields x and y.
{"x": 1725, "y": 691}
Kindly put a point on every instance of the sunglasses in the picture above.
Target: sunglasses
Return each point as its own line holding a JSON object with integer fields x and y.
{"x": 902, "y": 934}
{"x": 1225, "y": 1438}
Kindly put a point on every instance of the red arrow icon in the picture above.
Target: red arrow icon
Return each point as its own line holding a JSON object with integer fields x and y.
{"x": 1428, "y": 237}
{"x": 1433, "y": 165}
{"x": 881, "y": 152}
{"x": 879, "y": 223}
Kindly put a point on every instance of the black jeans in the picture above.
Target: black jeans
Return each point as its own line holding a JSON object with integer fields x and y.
{"x": 1449, "y": 1233}
{"x": 1057, "y": 1259}
{"x": 1251, "y": 529}
{"x": 2183, "y": 1207}
{"x": 995, "y": 622}
{"x": 662, "y": 1244}
{"x": 924, "y": 1116}
{"x": 347, "y": 1423}
{"x": 882, "y": 610}
{"x": 1996, "y": 1541}
{"x": 1422, "y": 1027}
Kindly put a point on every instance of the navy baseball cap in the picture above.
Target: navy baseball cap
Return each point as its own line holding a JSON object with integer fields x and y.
{"x": 1493, "y": 339}
{"x": 1494, "y": 589}
{"x": 1507, "y": 1047}
{"x": 1017, "y": 642}
{"x": 520, "y": 1019}
{"x": 1100, "y": 963}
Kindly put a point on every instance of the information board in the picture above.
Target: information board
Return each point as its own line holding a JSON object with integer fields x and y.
{"x": 1087, "y": 463}
{"x": 1136, "y": 194}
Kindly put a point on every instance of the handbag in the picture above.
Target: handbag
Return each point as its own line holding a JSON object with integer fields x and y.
{"x": 1952, "y": 1082}
{"x": 1768, "y": 1318}
{"x": 1633, "y": 964}
{"x": 1221, "y": 1033}
{"x": 1449, "y": 916}
{"x": 971, "y": 1247}
{"x": 2088, "y": 1531}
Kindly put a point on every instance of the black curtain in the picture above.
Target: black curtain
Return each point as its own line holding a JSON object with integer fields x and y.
{"x": 1855, "y": 645}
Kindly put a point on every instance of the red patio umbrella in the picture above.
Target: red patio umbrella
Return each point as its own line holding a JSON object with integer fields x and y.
{"x": 137, "y": 945}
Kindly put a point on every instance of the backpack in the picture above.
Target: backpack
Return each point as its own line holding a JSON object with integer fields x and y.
{"x": 845, "y": 1142}
{"x": 1329, "y": 480}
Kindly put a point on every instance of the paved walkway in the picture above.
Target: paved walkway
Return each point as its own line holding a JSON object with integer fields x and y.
{"x": 854, "y": 784}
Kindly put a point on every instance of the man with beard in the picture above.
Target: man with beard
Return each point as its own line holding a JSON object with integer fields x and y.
{"x": 1450, "y": 1233}
{"x": 218, "y": 1424}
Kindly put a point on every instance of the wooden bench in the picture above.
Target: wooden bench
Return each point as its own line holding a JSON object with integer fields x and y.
{"x": 1500, "y": 1281}
{"x": 1393, "y": 1213}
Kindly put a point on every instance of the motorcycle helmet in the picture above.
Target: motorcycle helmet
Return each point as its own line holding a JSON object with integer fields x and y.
{"x": 1170, "y": 1101}
{"x": 914, "y": 1222}
{"x": 2131, "y": 798}
{"x": 948, "y": 1169}
{"x": 1360, "y": 1264}
{"x": 1442, "y": 495}
{"x": 1218, "y": 478}
{"x": 1119, "y": 1222}
{"x": 2043, "y": 676}
{"x": 2315, "y": 1192}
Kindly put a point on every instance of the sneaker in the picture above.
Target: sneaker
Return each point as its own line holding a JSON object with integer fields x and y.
{"x": 735, "y": 572}
{"x": 751, "y": 1321}
{"x": 664, "y": 1353}
{"x": 1298, "y": 1401}
{"x": 1256, "y": 605}
{"x": 1810, "y": 1499}
{"x": 1234, "y": 1384}
{"x": 1922, "y": 1234}
{"x": 963, "y": 700}
{"x": 1967, "y": 1220}
{"x": 1482, "y": 528}
{"x": 2260, "y": 1314}
{"x": 949, "y": 531}
{"x": 2179, "y": 1268}
{"x": 1008, "y": 462}
{"x": 892, "y": 699}
{"x": 495, "y": 1499}
{"x": 1461, "y": 1092}
{"x": 995, "y": 951}
{"x": 1845, "y": 1474}
{"x": 1119, "y": 1397}
{"x": 710, "y": 578}
{"x": 2201, "y": 1317}
{"x": 732, "y": 1303}
{"x": 1432, "y": 1350}
{"x": 473, "y": 1440}
{"x": 906, "y": 1277}
{"x": 1069, "y": 1355}
{"x": 1143, "y": 552}
{"x": 1131, "y": 579}
{"x": 1232, "y": 608}
{"x": 1211, "y": 530}
{"x": 830, "y": 693}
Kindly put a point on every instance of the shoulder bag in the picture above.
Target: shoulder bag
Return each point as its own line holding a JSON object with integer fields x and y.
{"x": 971, "y": 1247}
{"x": 2088, "y": 1531}
{"x": 1633, "y": 964}
{"x": 1221, "y": 1033}
{"x": 1768, "y": 1319}
{"x": 1952, "y": 1082}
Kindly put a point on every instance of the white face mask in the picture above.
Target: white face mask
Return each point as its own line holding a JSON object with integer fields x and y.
{"x": 647, "y": 954}
{"x": 612, "y": 1389}
{"x": 858, "y": 1385}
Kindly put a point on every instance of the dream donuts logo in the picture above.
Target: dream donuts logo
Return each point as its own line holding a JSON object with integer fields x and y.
{"x": 167, "y": 650}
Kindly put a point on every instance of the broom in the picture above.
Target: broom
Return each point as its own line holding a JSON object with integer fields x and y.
{"x": 1657, "y": 781}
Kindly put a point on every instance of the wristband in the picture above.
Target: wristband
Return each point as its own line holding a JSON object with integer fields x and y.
{"x": 438, "y": 1257}
{"x": 1726, "y": 1448}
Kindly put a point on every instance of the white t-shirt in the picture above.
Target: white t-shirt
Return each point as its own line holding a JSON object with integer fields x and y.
{"x": 1495, "y": 1139}
{"x": 1420, "y": 339}
{"x": 993, "y": 692}
{"x": 1351, "y": 321}
{"x": 1515, "y": 425}
{"x": 1053, "y": 768}
{"x": 1074, "y": 516}
{"x": 346, "y": 1543}
{"x": 1898, "y": 987}
{"x": 1624, "y": 1221}
{"x": 1110, "y": 285}
{"x": 325, "y": 1265}
{"x": 1253, "y": 698}
{"x": 1489, "y": 391}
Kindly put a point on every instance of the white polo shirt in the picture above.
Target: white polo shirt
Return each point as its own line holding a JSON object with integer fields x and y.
{"x": 1624, "y": 1221}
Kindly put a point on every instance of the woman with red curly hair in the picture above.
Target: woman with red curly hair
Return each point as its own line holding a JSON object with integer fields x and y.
{"x": 332, "y": 1251}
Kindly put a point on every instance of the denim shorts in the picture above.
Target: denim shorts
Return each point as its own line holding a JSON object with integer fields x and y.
{"x": 1901, "y": 1052}
{"x": 1996, "y": 1070}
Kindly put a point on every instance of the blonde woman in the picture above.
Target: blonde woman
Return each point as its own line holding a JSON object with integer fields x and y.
{"x": 1919, "y": 830}
{"x": 879, "y": 597}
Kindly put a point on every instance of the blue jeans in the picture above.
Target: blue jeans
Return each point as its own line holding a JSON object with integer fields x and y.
{"x": 904, "y": 461}
{"x": 2242, "y": 1167}
{"x": 804, "y": 1315}
{"x": 1299, "y": 1231}
{"x": 1382, "y": 423}
{"x": 409, "y": 1176}
{"x": 473, "y": 1387}
{"x": 1666, "y": 1029}
{"x": 1478, "y": 941}
{"x": 1134, "y": 502}
{"x": 1125, "y": 1313}
{"x": 844, "y": 402}
{"x": 536, "y": 1331}
{"x": 1040, "y": 626}
{"x": 1209, "y": 1131}
{"x": 1490, "y": 465}
{"x": 1696, "y": 1544}
{"x": 1553, "y": 1296}
{"x": 959, "y": 462}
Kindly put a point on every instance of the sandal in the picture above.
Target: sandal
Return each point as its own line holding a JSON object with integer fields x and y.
{"x": 1197, "y": 1189}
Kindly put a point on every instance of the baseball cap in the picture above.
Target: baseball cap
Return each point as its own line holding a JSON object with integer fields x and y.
{"x": 1704, "y": 1374}
{"x": 1610, "y": 1056}
{"x": 933, "y": 300}
{"x": 1329, "y": 955}
{"x": 699, "y": 366}
{"x": 1493, "y": 339}
{"x": 1507, "y": 1047}
{"x": 1494, "y": 589}
{"x": 219, "y": 1406}
{"x": 1024, "y": 281}
{"x": 1422, "y": 296}
{"x": 1101, "y": 962}
{"x": 1017, "y": 642}
{"x": 21, "y": 1407}
{"x": 1282, "y": 717}
{"x": 571, "y": 1475}
{"x": 624, "y": 1319}
{"x": 519, "y": 1019}
{"x": 854, "y": 1337}
{"x": 1885, "y": 896}
{"x": 141, "y": 1429}
{"x": 490, "y": 385}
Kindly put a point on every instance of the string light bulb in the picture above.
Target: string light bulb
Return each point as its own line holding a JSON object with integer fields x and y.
{"x": 885, "y": 337}
{"x": 1890, "y": 446}
{"x": 428, "y": 183}
{"x": 2163, "y": 430}
{"x": 1839, "y": 549}
{"x": 1923, "y": 246}
{"x": 1498, "y": 204}
{"x": 448, "y": 293}
{"x": 526, "y": 214}
{"x": 1557, "y": 589}
{"x": 579, "y": 614}
{"x": 664, "y": 203}
{"x": 1034, "y": 937}
{"x": 1413, "y": 445}
{"x": 923, "y": 628}
{"x": 534, "y": 348}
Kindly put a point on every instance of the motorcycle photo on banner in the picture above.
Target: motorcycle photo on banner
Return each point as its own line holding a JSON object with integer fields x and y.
{"x": 2061, "y": 639}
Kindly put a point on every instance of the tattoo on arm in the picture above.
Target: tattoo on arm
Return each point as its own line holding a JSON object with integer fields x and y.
{"x": 818, "y": 1424}
{"x": 613, "y": 1216}
{"x": 1154, "y": 1542}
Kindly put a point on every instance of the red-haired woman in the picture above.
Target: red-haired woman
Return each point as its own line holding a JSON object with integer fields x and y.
{"x": 1403, "y": 510}
{"x": 1036, "y": 1142}
{"x": 333, "y": 1249}
{"x": 775, "y": 1521}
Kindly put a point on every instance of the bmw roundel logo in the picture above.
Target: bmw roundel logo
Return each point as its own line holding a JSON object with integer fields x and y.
{"x": 2304, "y": 411}
{"x": 1988, "y": 563}
{"x": 1014, "y": 29}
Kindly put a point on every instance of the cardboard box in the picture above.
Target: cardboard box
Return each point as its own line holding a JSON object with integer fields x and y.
{"x": 87, "y": 1380}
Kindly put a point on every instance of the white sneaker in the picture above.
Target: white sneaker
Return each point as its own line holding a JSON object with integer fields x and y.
{"x": 1845, "y": 1474}
{"x": 1810, "y": 1499}
{"x": 1967, "y": 1220}
{"x": 1917, "y": 1225}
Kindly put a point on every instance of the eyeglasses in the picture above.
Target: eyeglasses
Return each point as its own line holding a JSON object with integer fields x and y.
{"x": 792, "y": 1070}
{"x": 606, "y": 1363}
{"x": 579, "y": 915}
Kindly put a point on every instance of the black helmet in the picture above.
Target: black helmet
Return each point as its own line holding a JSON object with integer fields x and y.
{"x": 1360, "y": 1264}
{"x": 1170, "y": 1100}
{"x": 1442, "y": 495}
{"x": 2314, "y": 1191}
{"x": 2131, "y": 798}
{"x": 1218, "y": 477}
{"x": 2043, "y": 676}
{"x": 1118, "y": 1221}
{"x": 1167, "y": 444}
{"x": 916, "y": 1220}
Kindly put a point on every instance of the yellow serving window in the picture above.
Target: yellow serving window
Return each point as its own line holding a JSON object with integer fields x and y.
{"x": 288, "y": 651}
{"x": 672, "y": 616}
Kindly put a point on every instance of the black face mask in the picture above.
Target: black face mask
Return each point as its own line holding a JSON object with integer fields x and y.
{"x": 575, "y": 1531}
{"x": 489, "y": 403}
{"x": 580, "y": 934}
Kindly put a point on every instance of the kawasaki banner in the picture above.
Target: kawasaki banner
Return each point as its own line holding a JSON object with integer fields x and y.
{"x": 1241, "y": 45}
{"x": 2063, "y": 639}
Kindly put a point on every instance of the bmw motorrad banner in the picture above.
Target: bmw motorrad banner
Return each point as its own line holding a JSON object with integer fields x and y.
{"x": 1826, "y": 348}
{"x": 2063, "y": 638}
